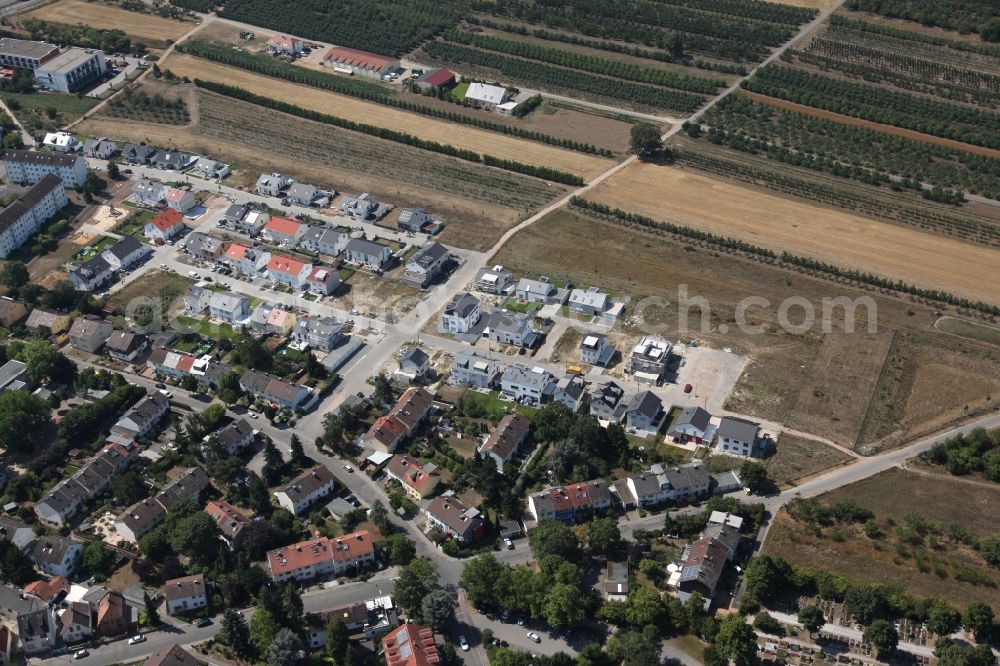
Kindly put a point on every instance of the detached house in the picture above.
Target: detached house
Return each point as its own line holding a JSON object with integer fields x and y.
{"x": 284, "y": 45}
{"x": 89, "y": 333}
{"x": 147, "y": 192}
{"x": 413, "y": 219}
{"x": 511, "y": 328}
{"x": 606, "y": 402}
{"x": 493, "y": 280}
{"x": 692, "y": 425}
{"x": 321, "y": 333}
{"x": 288, "y": 271}
{"x": 164, "y": 226}
{"x": 472, "y": 369}
{"x": 571, "y": 391}
{"x": 650, "y": 358}
{"x": 324, "y": 240}
{"x": 91, "y": 275}
{"x": 205, "y": 247}
{"x": 56, "y": 555}
{"x": 461, "y": 314}
{"x": 228, "y": 307}
{"x": 427, "y": 264}
{"x": 537, "y": 291}
{"x": 126, "y": 345}
{"x": 272, "y": 184}
{"x": 419, "y": 480}
{"x": 232, "y": 524}
{"x": 180, "y": 200}
{"x": 101, "y": 148}
{"x": 590, "y": 302}
{"x": 246, "y": 260}
{"x": 456, "y": 520}
{"x": 414, "y": 364}
{"x": 196, "y": 299}
{"x": 739, "y": 437}
{"x": 235, "y": 437}
{"x": 304, "y": 194}
{"x": 209, "y": 168}
{"x": 285, "y": 231}
{"x": 168, "y": 160}
{"x": 185, "y": 594}
{"x": 644, "y": 411}
{"x": 362, "y": 207}
{"x": 137, "y": 153}
{"x": 125, "y": 253}
{"x": 373, "y": 256}
{"x": 595, "y": 350}
{"x": 535, "y": 385}
{"x": 306, "y": 489}
{"x": 504, "y": 442}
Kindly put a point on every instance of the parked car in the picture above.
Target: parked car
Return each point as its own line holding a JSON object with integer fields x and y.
{"x": 80, "y": 654}
{"x": 135, "y": 640}
{"x": 507, "y": 542}
{"x": 535, "y": 637}
{"x": 203, "y": 622}
{"x": 505, "y": 614}
{"x": 348, "y": 469}
{"x": 463, "y": 643}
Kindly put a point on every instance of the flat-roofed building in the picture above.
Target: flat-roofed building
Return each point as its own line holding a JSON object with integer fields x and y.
{"x": 25, "y": 217}
{"x": 74, "y": 68}
{"x": 25, "y": 54}
{"x": 30, "y": 166}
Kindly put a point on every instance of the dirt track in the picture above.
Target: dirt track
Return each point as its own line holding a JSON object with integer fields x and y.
{"x": 878, "y": 127}
{"x": 834, "y": 236}
{"x": 460, "y": 136}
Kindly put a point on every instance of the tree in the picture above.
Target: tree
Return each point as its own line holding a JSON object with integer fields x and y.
{"x": 562, "y": 606}
{"x": 438, "y": 609}
{"x": 383, "y": 394}
{"x": 645, "y": 607}
{"x": 990, "y": 30}
{"x": 479, "y": 580}
{"x": 401, "y": 549}
{"x": 942, "y": 619}
{"x": 272, "y": 462}
{"x": 633, "y": 648}
{"x": 129, "y": 487}
{"x": 604, "y": 537}
{"x": 767, "y": 623}
{"x": 152, "y": 614}
{"x": 767, "y": 577}
{"x": 737, "y": 641}
{"x": 338, "y": 638}
{"x": 754, "y": 476}
{"x": 284, "y": 649}
{"x": 989, "y": 548}
{"x": 811, "y": 618}
{"x": 14, "y": 275}
{"x": 866, "y": 603}
{"x": 212, "y": 416}
{"x": 229, "y": 388}
{"x": 415, "y": 581}
{"x": 98, "y": 560}
{"x": 645, "y": 141}
{"x": 235, "y": 633}
{"x": 263, "y": 629}
{"x": 114, "y": 173}
{"x": 44, "y": 361}
{"x": 978, "y": 618}
{"x": 21, "y": 415}
{"x": 379, "y": 515}
{"x": 298, "y": 454}
{"x": 950, "y": 653}
{"x": 551, "y": 537}
{"x": 883, "y": 636}
{"x": 196, "y": 536}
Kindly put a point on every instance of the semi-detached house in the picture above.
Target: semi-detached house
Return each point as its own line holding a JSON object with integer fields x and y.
{"x": 306, "y": 489}
{"x": 321, "y": 557}
{"x": 288, "y": 271}
{"x": 373, "y": 256}
{"x": 275, "y": 389}
{"x": 456, "y": 520}
{"x": 472, "y": 369}
{"x": 504, "y": 442}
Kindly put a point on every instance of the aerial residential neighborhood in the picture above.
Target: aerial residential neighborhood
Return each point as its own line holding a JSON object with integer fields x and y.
{"x": 500, "y": 333}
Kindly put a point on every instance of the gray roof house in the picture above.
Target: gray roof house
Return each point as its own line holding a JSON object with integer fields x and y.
{"x": 370, "y": 254}
{"x": 275, "y": 389}
{"x": 664, "y": 484}
{"x": 571, "y": 391}
{"x": 126, "y": 345}
{"x": 56, "y": 555}
{"x": 739, "y": 437}
{"x": 424, "y": 266}
{"x": 91, "y": 275}
{"x": 493, "y": 280}
{"x": 203, "y": 246}
{"x": 461, "y": 313}
{"x": 511, "y": 328}
{"x": 100, "y": 148}
{"x": 531, "y": 385}
{"x": 537, "y": 291}
{"x": 135, "y": 153}
{"x": 228, "y": 307}
{"x": 643, "y": 412}
{"x": 148, "y": 192}
{"x": 126, "y": 253}
{"x": 595, "y": 350}
{"x": 591, "y": 302}
{"x": 414, "y": 364}
{"x": 692, "y": 425}
{"x": 325, "y": 240}
{"x": 170, "y": 160}
{"x": 362, "y": 207}
{"x": 307, "y": 195}
{"x": 14, "y": 377}
{"x": 209, "y": 168}
{"x": 236, "y": 436}
{"x": 16, "y": 532}
{"x": 320, "y": 333}
{"x": 196, "y": 299}
{"x": 271, "y": 184}
{"x": 472, "y": 369}
{"x": 413, "y": 219}
{"x": 89, "y": 333}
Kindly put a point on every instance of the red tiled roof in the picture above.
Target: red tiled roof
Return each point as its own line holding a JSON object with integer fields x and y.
{"x": 305, "y": 553}
{"x": 348, "y": 56}
{"x": 236, "y": 251}
{"x": 410, "y": 645}
{"x": 176, "y": 194}
{"x": 282, "y": 225}
{"x": 285, "y": 264}
{"x": 284, "y": 41}
{"x": 166, "y": 219}
{"x": 387, "y": 429}
{"x": 410, "y": 471}
{"x": 437, "y": 77}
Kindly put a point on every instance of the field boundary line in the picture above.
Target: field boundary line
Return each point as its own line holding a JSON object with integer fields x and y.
{"x": 878, "y": 382}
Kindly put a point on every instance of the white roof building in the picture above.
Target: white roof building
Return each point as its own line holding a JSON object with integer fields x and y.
{"x": 485, "y": 93}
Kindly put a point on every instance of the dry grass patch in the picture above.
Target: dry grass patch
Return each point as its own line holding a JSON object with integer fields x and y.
{"x": 843, "y": 239}
{"x": 153, "y": 30}
{"x": 460, "y": 136}
{"x": 796, "y": 458}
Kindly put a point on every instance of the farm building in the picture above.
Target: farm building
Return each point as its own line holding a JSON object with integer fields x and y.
{"x": 363, "y": 63}
{"x": 284, "y": 45}
{"x": 436, "y": 80}
{"x": 486, "y": 95}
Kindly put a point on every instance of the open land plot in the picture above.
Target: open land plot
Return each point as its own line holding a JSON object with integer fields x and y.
{"x": 168, "y": 287}
{"x": 940, "y": 500}
{"x": 969, "y": 329}
{"x": 34, "y": 109}
{"x": 794, "y": 459}
{"x": 324, "y": 101}
{"x": 832, "y": 408}
{"x": 679, "y": 196}
{"x": 367, "y": 292}
{"x": 478, "y": 203}
{"x": 148, "y": 28}
{"x": 634, "y": 262}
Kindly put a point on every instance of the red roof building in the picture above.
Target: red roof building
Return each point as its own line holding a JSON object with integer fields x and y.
{"x": 410, "y": 645}
{"x": 165, "y": 225}
{"x": 286, "y": 265}
{"x": 417, "y": 479}
{"x": 437, "y": 79}
{"x": 320, "y": 557}
{"x": 360, "y": 62}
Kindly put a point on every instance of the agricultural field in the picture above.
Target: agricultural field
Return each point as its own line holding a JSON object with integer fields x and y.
{"x": 923, "y": 533}
{"x": 633, "y": 262}
{"x": 153, "y": 31}
{"x": 861, "y": 153}
{"x": 782, "y": 224}
{"x": 358, "y": 110}
{"x": 964, "y": 16}
{"x": 39, "y": 112}
{"x": 161, "y": 104}
{"x": 951, "y": 69}
{"x": 478, "y": 203}
{"x": 969, "y": 329}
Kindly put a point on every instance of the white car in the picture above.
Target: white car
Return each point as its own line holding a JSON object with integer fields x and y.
{"x": 252, "y": 415}
{"x": 80, "y": 654}
{"x": 535, "y": 637}
{"x": 166, "y": 394}
{"x": 163, "y": 265}
{"x": 135, "y": 640}
{"x": 463, "y": 643}
{"x": 348, "y": 469}
{"x": 507, "y": 542}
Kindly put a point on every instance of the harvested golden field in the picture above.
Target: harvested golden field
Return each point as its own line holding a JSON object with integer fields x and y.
{"x": 821, "y": 5}
{"x": 153, "y": 30}
{"x": 460, "y": 136}
{"x": 685, "y": 197}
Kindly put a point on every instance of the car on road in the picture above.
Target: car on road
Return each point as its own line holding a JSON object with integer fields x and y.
{"x": 520, "y": 620}
{"x": 160, "y": 385}
{"x": 80, "y": 654}
{"x": 507, "y": 542}
{"x": 463, "y": 643}
{"x": 252, "y": 415}
{"x": 163, "y": 265}
{"x": 166, "y": 394}
{"x": 535, "y": 637}
{"x": 348, "y": 469}
{"x": 203, "y": 622}
{"x": 505, "y": 614}
{"x": 135, "y": 640}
